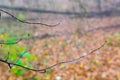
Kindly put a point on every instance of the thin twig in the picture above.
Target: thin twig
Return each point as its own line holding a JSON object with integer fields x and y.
{"x": 27, "y": 21}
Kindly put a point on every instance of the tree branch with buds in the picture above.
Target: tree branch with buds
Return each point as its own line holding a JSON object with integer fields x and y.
{"x": 10, "y": 64}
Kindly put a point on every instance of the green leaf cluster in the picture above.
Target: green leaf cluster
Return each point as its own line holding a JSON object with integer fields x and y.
{"x": 18, "y": 54}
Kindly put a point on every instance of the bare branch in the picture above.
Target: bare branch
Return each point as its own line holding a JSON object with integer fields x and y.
{"x": 50, "y": 67}
{"x": 77, "y": 59}
{"x": 26, "y": 21}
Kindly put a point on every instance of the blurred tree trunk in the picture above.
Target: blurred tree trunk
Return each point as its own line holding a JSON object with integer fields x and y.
{"x": 99, "y": 2}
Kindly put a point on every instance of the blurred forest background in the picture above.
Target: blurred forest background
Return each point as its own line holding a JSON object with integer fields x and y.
{"x": 84, "y": 25}
{"x": 68, "y": 12}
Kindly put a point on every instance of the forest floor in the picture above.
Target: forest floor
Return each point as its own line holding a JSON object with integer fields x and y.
{"x": 72, "y": 43}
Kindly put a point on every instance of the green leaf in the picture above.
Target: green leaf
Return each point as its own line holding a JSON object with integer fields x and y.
{"x": 18, "y": 61}
{"x": 26, "y": 54}
{"x": 13, "y": 56}
{"x": 19, "y": 48}
{"x": 11, "y": 41}
{"x": 17, "y": 71}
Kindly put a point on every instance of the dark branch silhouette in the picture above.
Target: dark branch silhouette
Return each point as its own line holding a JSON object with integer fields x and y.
{"x": 26, "y": 21}
{"x": 10, "y": 64}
